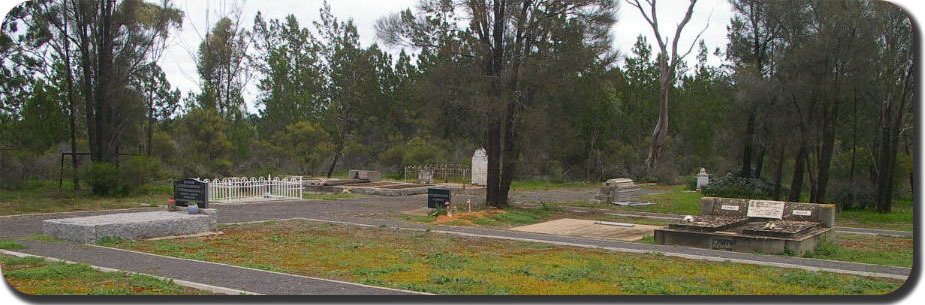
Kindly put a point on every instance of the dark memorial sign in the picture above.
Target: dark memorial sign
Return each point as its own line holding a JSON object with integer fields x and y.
{"x": 191, "y": 191}
{"x": 437, "y": 197}
{"x": 722, "y": 244}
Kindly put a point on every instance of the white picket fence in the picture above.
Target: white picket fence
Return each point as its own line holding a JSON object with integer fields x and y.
{"x": 243, "y": 189}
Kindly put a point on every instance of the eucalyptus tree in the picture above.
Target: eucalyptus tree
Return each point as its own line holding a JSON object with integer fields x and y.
{"x": 222, "y": 64}
{"x": 505, "y": 40}
{"x": 894, "y": 94}
{"x": 669, "y": 57}
{"x": 753, "y": 32}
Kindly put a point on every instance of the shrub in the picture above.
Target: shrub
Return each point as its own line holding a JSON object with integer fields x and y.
{"x": 690, "y": 182}
{"x": 104, "y": 179}
{"x": 733, "y": 186}
{"x": 138, "y": 171}
{"x": 853, "y": 196}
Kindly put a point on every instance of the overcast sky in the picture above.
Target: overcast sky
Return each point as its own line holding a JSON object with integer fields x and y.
{"x": 178, "y": 62}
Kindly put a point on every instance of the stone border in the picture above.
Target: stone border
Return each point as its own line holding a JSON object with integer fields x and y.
{"x": 188, "y": 284}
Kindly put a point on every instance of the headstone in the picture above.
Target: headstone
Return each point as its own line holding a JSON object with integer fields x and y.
{"x": 620, "y": 190}
{"x": 426, "y": 175}
{"x": 702, "y": 179}
{"x": 480, "y": 167}
{"x": 193, "y": 191}
{"x": 766, "y": 209}
{"x": 372, "y": 176}
{"x": 437, "y": 197}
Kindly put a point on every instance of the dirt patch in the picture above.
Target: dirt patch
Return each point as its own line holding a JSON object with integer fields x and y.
{"x": 465, "y": 217}
{"x": 590, "y": 228}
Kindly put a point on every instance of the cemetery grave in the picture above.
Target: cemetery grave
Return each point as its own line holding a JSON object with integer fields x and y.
{"x": 591, "y": 229}
{"x": 190, "y": 216}
{"x": 744, "y": 225}
{"x": 622, "y": 192}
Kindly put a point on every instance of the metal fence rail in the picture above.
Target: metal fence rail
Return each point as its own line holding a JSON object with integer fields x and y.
{"x": 438, "y": 172}
{"x": 243, "y": 189}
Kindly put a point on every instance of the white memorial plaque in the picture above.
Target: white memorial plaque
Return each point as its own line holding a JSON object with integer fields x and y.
{"x": 803, "y": 212}
{"x": 766, "y": 209}
{"x": 730, "y": 207}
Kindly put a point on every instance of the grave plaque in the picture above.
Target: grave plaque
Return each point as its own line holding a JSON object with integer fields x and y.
{"x": 437, "y": 197}
{"x": 722, "y": 244}
{"x": 193, "y": 191}
{"x": 766, "y": 209}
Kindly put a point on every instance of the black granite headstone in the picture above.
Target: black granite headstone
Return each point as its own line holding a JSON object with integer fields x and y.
{"x": 191, "y": 191}
{"x": 437, "y": 197}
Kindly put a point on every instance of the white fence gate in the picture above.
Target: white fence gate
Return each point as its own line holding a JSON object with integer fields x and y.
{"x": 232, "y": 190}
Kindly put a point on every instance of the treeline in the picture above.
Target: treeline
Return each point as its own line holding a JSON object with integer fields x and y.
{"x": 812, "y": 103}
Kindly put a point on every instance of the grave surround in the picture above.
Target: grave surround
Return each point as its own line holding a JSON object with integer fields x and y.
{"x": 745, "y": 225}
{"x": 131, "y": 225}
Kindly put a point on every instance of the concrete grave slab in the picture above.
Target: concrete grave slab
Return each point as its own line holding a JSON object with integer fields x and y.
{"x": 589, "y": 228}
{"x": 130, "y": 225}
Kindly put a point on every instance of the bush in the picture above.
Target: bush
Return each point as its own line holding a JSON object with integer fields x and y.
{"x": 690, "y": 182}
{"x": 856, "y": 196}
{"x": 138, "y": 171}
{"x": 104, "y": 179}
{"x": 733, "y": 186}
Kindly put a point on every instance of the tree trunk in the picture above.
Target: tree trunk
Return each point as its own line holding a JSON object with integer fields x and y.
{"x": 87, "y": 67}
{"x": 759, "y": 161}
{"x": 825, "y": 158}
{"x": 779, "y": 174}
{"x": 661, "y": 127}
{"x": 149, "y": 130}
{"x": 72, "y": 111}
{"x": 105, "y": 126}
{"x": 333, "y": 163}
{"x": 799, "y": 168}
{"x": 746, "y": 171}
{"x": 510, "y": 152}
{"x": 887, "y": 165}
{"x": 493, "y": 150}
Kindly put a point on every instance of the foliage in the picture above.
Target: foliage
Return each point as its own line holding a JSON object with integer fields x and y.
{"x": 138, "y": 171}
{"x": 104, "y": 179}
{"x": 9, "y": 244}
{"x": 735, "y": 186}
{"x": 417, "y": 151}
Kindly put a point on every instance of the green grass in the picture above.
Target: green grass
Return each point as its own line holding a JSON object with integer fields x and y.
{"x": 9, "y": 244}
{"x": 878, "y": 250}
{"x": 676, "y": 200}
{"x": 35, "y": 276}
{"x": 448, "y": 264}
{"x": 40, "y": 196}
{"x": 334, "y": 196}
{"x": 538, "y": 185}
{"x": 900, "y": 218}
{"x": 45, "y": 238}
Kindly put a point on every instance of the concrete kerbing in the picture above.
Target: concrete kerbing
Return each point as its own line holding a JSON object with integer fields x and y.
{"x": 626, "y": 250}
{"x": 267, "y": 271}
{"x": 75, "y": 212}
{"x": 188, "y": 284}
